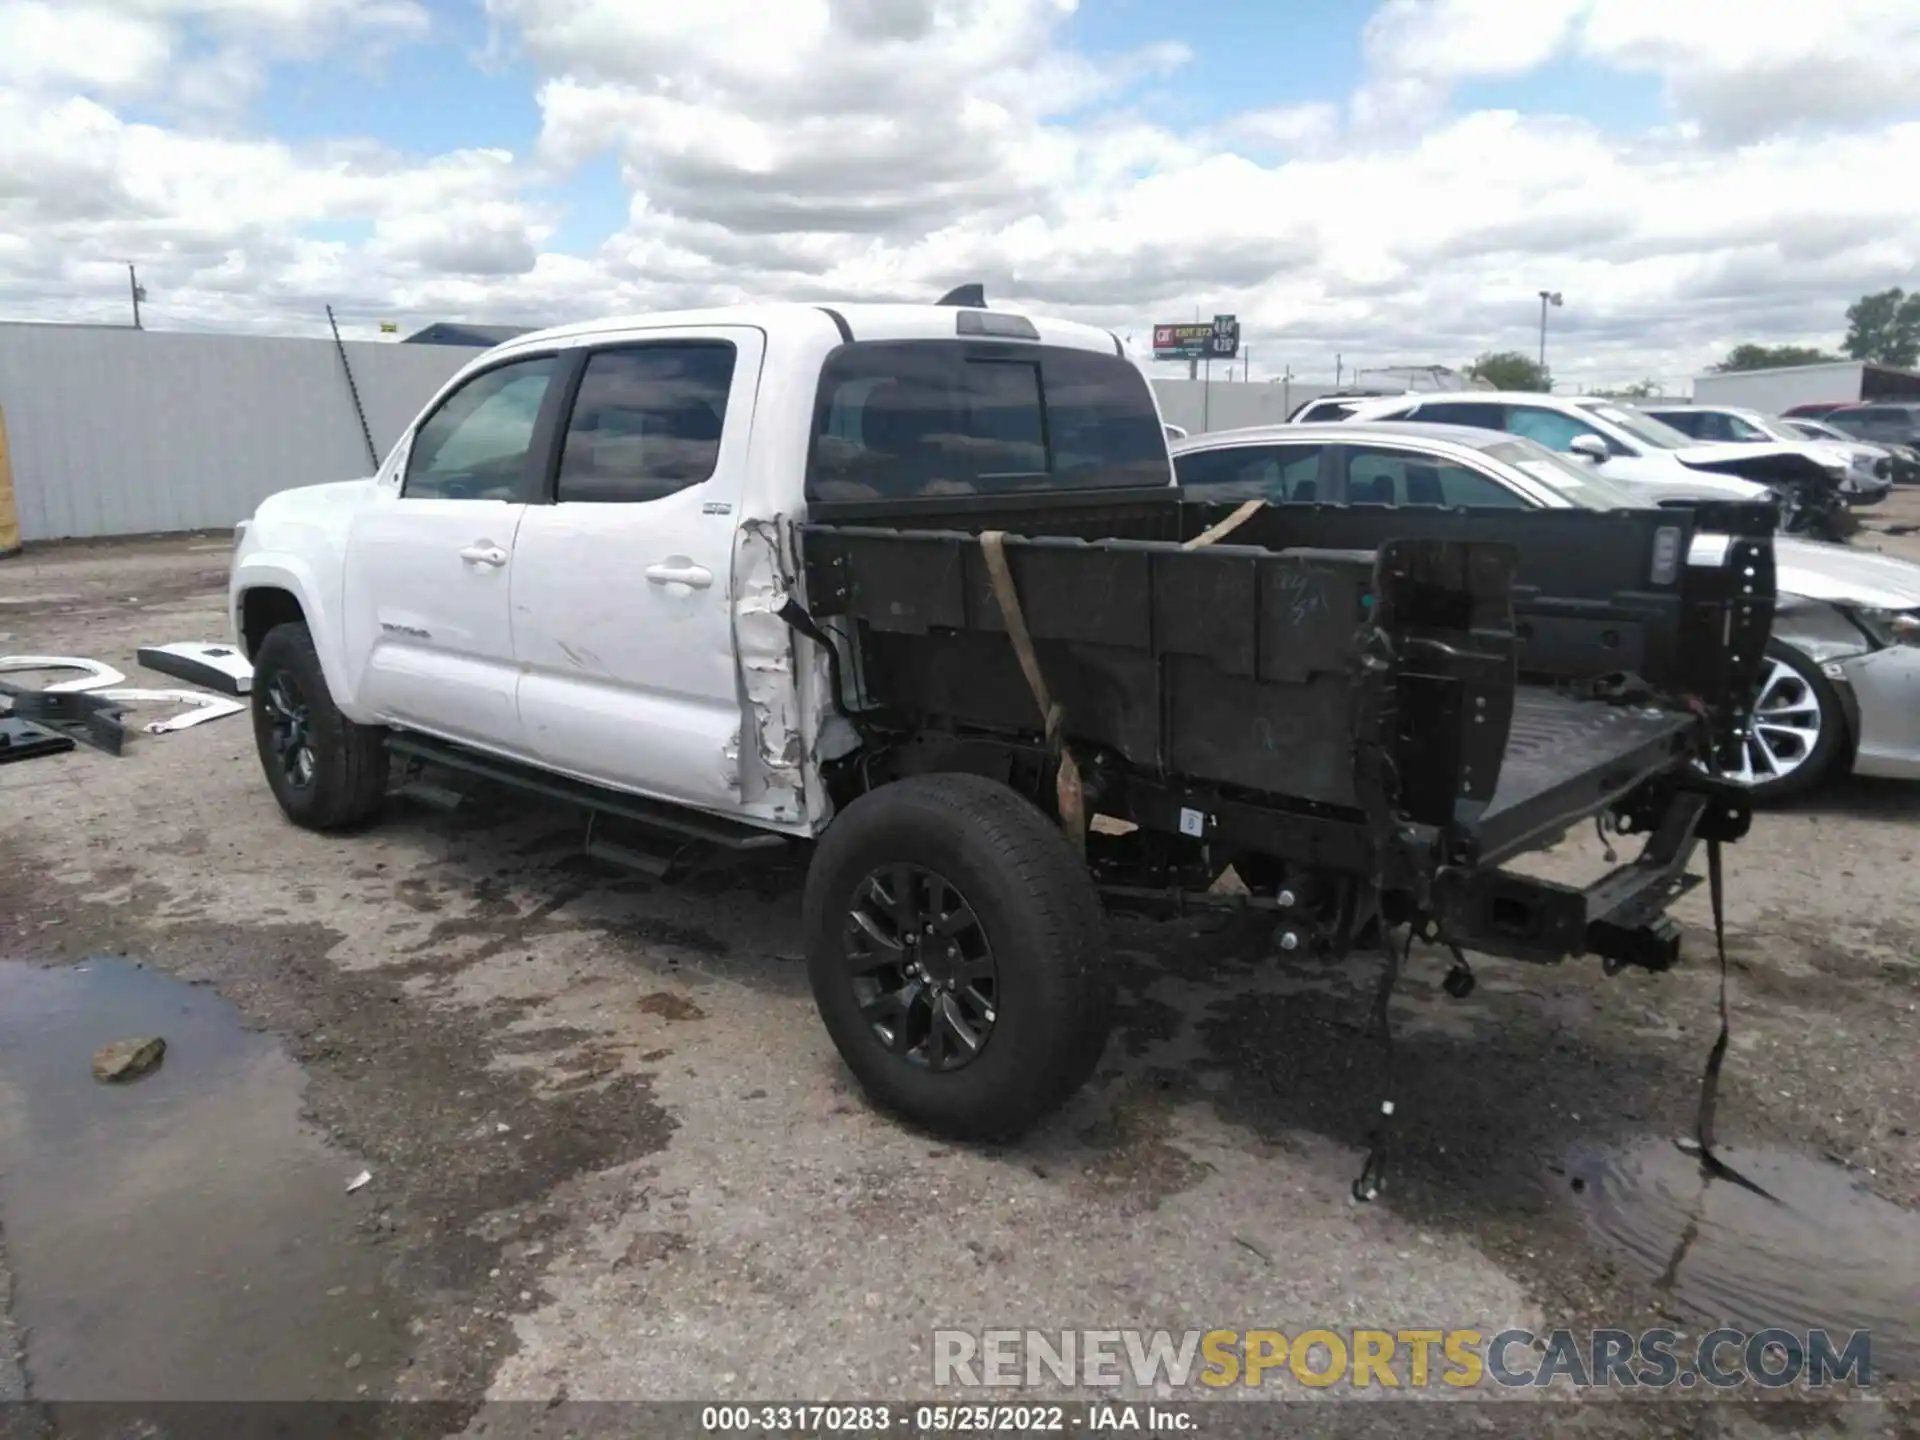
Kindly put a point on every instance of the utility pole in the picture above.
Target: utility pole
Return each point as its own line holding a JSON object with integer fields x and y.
{"x": 1338, "y": 370}
{"x": 133, "y": 288}
{"x": 1547, "y": 297}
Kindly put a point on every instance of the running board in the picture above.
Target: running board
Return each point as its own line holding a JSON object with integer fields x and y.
{"x": 686, "y": 825}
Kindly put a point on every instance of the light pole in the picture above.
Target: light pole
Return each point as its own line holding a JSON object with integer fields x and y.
{"x": 1547, "y": 297}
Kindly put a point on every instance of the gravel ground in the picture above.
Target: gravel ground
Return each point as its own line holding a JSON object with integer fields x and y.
{"x": 615, "y": 1156}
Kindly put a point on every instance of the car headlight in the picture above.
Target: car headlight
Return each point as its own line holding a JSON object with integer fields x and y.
{"x": 1888, "y": 627}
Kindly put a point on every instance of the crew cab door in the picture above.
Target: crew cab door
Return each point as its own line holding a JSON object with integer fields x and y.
{"x": 622, "y": 583}
{"x": 429, "y": 562}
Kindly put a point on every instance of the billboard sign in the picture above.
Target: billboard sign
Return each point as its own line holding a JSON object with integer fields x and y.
{"x": 1197, "y": 340}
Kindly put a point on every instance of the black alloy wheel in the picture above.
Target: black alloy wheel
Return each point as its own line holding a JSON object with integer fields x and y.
{"x": 290, "y": 721}
{"x": 922, "y": 968}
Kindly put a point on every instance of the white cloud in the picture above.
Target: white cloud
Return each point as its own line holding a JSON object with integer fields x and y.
{"x": 891, "y": 148}
{"x": 1743, "y": 71}
{"x": 84, "y": 47}
{"x": 1418, "y": 49}
{"x": 1287, "y": 127}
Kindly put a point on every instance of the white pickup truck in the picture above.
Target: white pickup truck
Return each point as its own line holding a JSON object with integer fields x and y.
{"x": 912, "y": 585}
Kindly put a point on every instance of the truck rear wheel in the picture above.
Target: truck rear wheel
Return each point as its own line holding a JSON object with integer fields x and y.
{"x": 954, "y": 943}
{"x": 327, "y": 772}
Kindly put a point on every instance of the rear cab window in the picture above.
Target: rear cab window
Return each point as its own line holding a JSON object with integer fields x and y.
{"x": 912, "y": 419}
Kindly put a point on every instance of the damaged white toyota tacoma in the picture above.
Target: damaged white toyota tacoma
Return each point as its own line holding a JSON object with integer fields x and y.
{"x": 912, "y": 587}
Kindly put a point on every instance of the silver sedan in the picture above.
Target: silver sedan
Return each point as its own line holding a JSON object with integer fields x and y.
{"x": 1842, "y": 687}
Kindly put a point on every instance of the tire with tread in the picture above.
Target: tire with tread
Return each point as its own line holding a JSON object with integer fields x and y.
{"x": 1042, "y": 916}
{"x": 349, "y": 779}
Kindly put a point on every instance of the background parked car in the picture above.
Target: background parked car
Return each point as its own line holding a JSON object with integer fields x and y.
{"x": 1904, "y": 459}
{"x": 1869, "y": 469}
{"x": 1335, "y": 405}
{"x": 1627, "y": 445}
{"x": 1898, "y": 424}
{"x": 1844, "y": 661}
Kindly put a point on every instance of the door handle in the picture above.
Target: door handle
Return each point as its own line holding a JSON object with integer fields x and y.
{"x": 698, "y": 576}
{"x": 484, "y": 555}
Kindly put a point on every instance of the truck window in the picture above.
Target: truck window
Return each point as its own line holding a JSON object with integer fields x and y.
{"x": 1279, "y": 473}
{"x": 1403, "y": 477}
{"x": 646, "y": 422}
{"x": 474, "y": 445}
{"x": 899, "y": 419}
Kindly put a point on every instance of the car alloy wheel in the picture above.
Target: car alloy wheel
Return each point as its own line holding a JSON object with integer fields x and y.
{"x": 1785, "y": 729}
{"x": 923, "y": 972}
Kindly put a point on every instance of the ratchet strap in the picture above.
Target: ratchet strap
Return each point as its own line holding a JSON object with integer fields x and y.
{"x": 1067, "y": 788}
{"x": 1225, "y": 527}
{"x": 1710, "y": 1082}
{"x": 1373, "y": 1174}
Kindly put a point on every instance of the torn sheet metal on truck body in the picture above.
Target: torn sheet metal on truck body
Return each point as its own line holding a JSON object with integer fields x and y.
{"x": 774, "y": 741}
{"x": 784, "y": 684}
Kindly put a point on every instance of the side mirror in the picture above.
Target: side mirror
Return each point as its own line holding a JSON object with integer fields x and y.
{"x": 1591, "y": 447}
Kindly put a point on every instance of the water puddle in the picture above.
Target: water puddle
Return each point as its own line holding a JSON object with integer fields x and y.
{"x": 182, "y": 1236}
{"x": 1829, "y": 1255}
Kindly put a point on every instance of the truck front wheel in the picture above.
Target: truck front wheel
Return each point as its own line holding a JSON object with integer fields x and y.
{"x": 327, "y": 772}
{"x": 954, "y": 943}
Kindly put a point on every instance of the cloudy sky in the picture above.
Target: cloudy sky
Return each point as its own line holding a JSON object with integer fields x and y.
{"x": 1393, "y": 182}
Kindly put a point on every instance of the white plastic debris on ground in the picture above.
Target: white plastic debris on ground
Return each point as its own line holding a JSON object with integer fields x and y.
{"x": 96, "y": 676}
{"x": 204, "y": 706}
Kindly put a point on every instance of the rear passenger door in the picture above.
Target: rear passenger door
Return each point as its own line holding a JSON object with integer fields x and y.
{"x": 622, "y": 580}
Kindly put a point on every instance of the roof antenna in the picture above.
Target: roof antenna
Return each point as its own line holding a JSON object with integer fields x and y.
{"x": 971, "y": 297}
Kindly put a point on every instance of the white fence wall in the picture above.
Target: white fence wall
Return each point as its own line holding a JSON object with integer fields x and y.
{"x": 1197, "y": 406}
{"x": 116, "y": 431}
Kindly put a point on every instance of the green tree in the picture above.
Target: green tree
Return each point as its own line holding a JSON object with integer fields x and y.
{"x": 1511, "y": 370}
{"x": 1885, "y": 328}
{"x": 1768, "y": 357}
